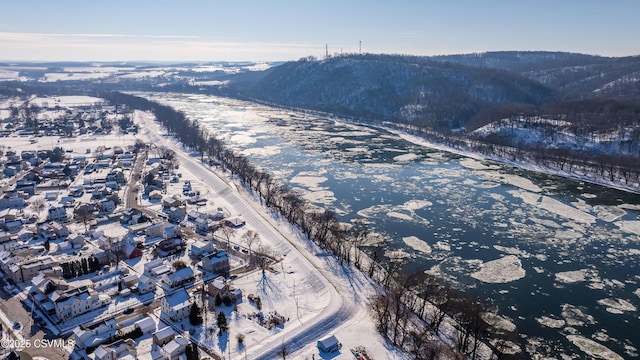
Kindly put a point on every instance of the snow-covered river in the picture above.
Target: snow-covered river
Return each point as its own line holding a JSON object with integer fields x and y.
{"x": 560, "y": 258}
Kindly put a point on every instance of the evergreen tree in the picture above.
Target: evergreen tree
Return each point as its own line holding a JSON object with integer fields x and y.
{"x": 222, "y": 322}
{"x": 192, "y": 352}
{"x": 195, "y": 316}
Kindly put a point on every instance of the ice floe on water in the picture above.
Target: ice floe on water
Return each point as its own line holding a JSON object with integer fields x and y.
{"x": 498, "y": 321}
{"x": 417, "y": 204}
{"x": 310, "y": 181}
{"x": 417, "y": 244}
{"x": 503, "y": 270}
{"x": 360, "y": 149}
{"x": 637, "y": 292}
{"x": 551, "y": 322}
{"x": 510, "y": 179}
{"x": 593, "y": 349}
{"x": 565, "y": 210}
{"x": 399, "y": 215}
{"x": 576, "y": 316}
{"x": 554, "y": 206}
{"x": 406, "y": 157}
{"x": 629, "y": 226}
{"x": 320, "y": 197}
{"x": 243, "y": 139}
{"x": 511, "y": 251}
{"x": 396, "y": 255}
{"x": 617, "y": 306}
{"x": 264, "y": 151}
{"x": 609, "y": 213}
{"x": 473, "y": 164}
{"x": 570, "y": 277}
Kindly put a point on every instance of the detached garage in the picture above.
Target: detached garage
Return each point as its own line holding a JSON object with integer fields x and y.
{"x": 329, "y": 344}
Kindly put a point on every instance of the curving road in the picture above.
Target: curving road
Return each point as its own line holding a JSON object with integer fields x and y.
{"x": 344, "y": 297}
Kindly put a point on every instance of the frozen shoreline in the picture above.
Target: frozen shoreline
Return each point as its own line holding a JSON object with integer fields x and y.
{"x": 414, "y": 139}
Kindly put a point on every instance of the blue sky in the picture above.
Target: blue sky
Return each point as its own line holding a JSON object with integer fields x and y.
{"x": 272, "y": 30}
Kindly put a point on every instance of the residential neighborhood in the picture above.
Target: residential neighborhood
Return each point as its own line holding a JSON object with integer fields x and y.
{"x": 107, "y": 245}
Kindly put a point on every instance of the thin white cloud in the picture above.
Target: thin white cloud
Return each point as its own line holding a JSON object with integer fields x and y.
{"x": 108, "y": 47}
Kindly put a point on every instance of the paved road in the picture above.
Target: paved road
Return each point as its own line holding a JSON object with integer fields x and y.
{"x": 14, "y": 309}
{"x": 341, "y": 308}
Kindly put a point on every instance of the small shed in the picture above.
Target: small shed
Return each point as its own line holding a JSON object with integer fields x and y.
{"x": 146, "y": 325}
{"x": 329, "y": 344}
{"x": 163, "y": 336}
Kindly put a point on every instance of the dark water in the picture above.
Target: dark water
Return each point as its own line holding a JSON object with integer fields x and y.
{"x": 577, "y": 243}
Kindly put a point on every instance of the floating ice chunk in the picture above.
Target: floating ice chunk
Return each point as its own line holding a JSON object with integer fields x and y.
{"x": 593, "y": 349}
{"x": 446, "y": 247}
{"x": 498, "y": 321}
{"x": 637, "y": 292}
{"x": 541, "y": 257}
{"x": 526, "y": 196}
{"x": 565, "y": 210}
{"x": 515, "y": 180}
{"x": 629, "y": 226}
{"x": 551, "y": 322}
{"x": 617, "y": 306}
{"x": 609, "y": 213}
{"x": 511, "y": 250}
{"x": 406, "y": 157}
{"x": 630, "y": 206}
{"x": 312, "y": 182}
{"x": 416, "y": 204}
{"x": 358, "y": 149}
{"x": 417, "y": 244}
{"x": 243, "y": 139}
{"x": 399, "y": 215}
{"x": 264, "y": 151}
{"x": 396, "y": 255}
{"x": 474, "y": 164}
{"x": 570, "y": 277}
{"x": 575, "y": 316}
{"x": 504, "y": 270}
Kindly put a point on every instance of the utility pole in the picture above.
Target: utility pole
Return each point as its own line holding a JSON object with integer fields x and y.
{"x": 360, "y": 47}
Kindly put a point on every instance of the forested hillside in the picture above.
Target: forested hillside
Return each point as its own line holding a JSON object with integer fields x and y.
{"x": 577, "y": 110}
{"x": 381, "y": 87}
{"x": 572, "y": 75}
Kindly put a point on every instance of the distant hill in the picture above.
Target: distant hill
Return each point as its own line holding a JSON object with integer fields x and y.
{"x": 573, "y": 76}
{"x": 551, "y": 108}
{"x": 397, "y": 88}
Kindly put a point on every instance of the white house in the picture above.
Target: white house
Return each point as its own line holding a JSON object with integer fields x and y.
{"x": 170, "y": 231}
{"x": 155, "y": 230}
{"x": 201, "y": 248}
{"x": 176, "y": 306}
{"x": 146, "y": 284}
{"x": 69, "y": 304}
{"x": 147, "y": 325}
{"x": 91, "y": 336}
{"x": 106, "y": 206}
{"x": 57, "y": 214}
{"x": 163, "y": 336}
{"x": 148, "y": 266}
{"x": 217, "y": 263}
{"x": 175, "y": 348}
{"x": 179, "y": 277}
